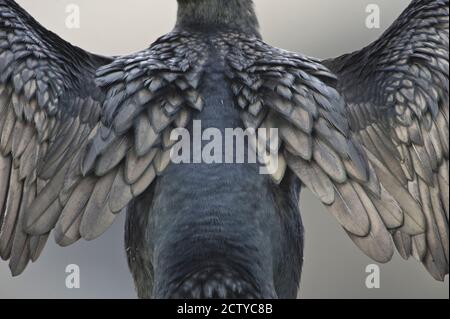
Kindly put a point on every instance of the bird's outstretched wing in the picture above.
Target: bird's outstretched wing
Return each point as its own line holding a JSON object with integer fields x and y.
{"x": 397, "y": 90}
{"x": 48, "y": 106}
{"x": 297, "y": 95}
{"x": 367, "y": 194}
{"x": 80, "y": 135}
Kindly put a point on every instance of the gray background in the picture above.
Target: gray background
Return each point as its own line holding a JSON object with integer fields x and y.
{"x": 334, "y": 267}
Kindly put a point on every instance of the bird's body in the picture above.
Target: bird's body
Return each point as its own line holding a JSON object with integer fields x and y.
{"x": 100, "y": 143}
{"x": 230, "y": 231}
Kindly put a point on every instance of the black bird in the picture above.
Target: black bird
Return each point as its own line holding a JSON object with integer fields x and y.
{"x": 84, "y": 137}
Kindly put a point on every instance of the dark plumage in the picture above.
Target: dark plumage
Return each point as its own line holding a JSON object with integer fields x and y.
{"x": 84, "y": 137}
{"x": 397, "y": 100}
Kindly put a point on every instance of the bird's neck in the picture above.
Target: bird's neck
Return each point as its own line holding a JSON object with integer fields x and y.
{"x": 207, "y": 15}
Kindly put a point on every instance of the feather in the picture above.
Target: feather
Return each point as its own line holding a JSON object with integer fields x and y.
{"x": 18, "y": 105}
{"x": 440, "y": 218}
{"x": 390, "y": 212}
{"x": 95, "y": 149}
{"x": 422, "y": 163}
{"x": 161, "y": 161}
{"x": 403, "y": 243}
{"x": 419, "y": 247}
{"x": 297, "y": 140}
{"x": 87, "y": 106}
{"x": 442, "y": 127}
{"x": 356, "y": 163}
{"x": 5, "y": 134}
{"x": 434, "y": 242}
{"x": 19, "y": 261}
{"x": 11, "y": 212}
{"x": 36, "y": 246}
{"x": 443, "y": 178}
{"x": 349, "y": 211}
{"x": 67, "y": 227}
{"x": 268, "y": 137}
{"x": 98, "y": 216}
{"x": 275, "y": 165}
{"x": 20, "y": 247}
{"x": 388, "y": 155}
{"x": 385, "y": 140}
{"x": 413, "y": 212}
{"x": 377, "y": 244}
{"x": 145, "y": 135}
{"x": 29, "y": 159}
{"x": 286, "y": 108}
{"x": 57, "y": 152}
{"x": 144, "y": 182}
{"x": 301, "y": 119}
{"x": 402, "y": 133}
{"x": 124, "y": 119}
{"x": 333, "y": 138}
{"x": 135, "y": 166}
{"x": 111, "y": 78}
{"x": 120, "y": 193}
{"x": 306, "y": 103}
{"x": 251, "y": 121}
{"x": 144, "y": 96}
{"x": 313, "y": 177}
{"x": 67, "y": 237}
{"x": 372, "y": 185}
{"x": 5, "y": 171}
{"x": 406, "y": 162}
{"x": 46, "y": 209}
{"x": 415, "y": 133}
{"x": 173, "y": 102}
{"x": 21, "y": 138}
{"x": 435, "y": 141}
{"x": 182, "y": 119}
{"x": 166, "y": 140}
{"x": 434, "y": 269}
{"x": 195, "y": 100}
{"x": 155, "y": 84}
{"x": 158, "y": 118}
{"x": 112, "y": 156}
{"x": 329, "y": 161}
{"x": 429, "y": 148}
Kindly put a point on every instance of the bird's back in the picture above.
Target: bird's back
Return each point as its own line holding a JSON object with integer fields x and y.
{"x": 209, "y": 222}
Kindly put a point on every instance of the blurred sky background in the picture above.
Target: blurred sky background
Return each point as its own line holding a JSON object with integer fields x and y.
{"x": 334, "y": 267}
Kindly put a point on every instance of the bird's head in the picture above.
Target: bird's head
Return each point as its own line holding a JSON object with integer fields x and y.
{"x": 210, "y": 14}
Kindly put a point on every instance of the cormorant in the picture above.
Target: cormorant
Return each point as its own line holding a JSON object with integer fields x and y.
{"x": 84, "y": 137}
